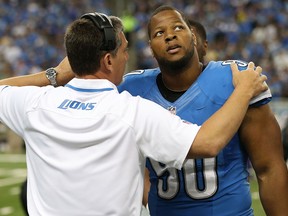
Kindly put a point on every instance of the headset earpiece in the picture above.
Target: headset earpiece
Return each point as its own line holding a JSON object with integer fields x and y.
{"x": 103, "y": 22}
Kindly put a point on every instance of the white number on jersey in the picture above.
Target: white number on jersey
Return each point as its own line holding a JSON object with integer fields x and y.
{"x": 209, "y": 174}
{"x": 238, "y": 62}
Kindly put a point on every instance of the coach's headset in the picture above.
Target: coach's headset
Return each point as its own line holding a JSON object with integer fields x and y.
{"x": 104, "y": 23}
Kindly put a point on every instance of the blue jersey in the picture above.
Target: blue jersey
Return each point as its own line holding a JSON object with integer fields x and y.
{"x": 203, "y": 187}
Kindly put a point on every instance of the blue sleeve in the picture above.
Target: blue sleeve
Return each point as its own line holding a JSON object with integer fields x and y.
{"x": 139, "y": 82}
{"x": 216, "y": 82}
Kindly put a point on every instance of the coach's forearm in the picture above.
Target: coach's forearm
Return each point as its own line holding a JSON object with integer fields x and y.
{"x": 64, "y": 72}
{"x": 64, "y": 75}
{"x": 37, "y": 79}
{"x": 218, "y": 130}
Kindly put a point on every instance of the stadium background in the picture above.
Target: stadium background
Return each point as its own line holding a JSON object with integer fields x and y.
{"x": 31, "y": 40}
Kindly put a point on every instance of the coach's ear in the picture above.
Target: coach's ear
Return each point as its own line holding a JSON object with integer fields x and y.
{"x": 106, "y": 63}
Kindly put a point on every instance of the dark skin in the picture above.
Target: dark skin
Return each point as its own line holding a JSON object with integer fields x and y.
{"x": 167, "y": 47}
{"x": 202, "y": 45}
{"x": 171, "y": 40}
{"x": 266, "y": 155}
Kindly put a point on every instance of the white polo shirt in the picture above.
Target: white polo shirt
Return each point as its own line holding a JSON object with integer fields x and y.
{"x": 86, "y": 145}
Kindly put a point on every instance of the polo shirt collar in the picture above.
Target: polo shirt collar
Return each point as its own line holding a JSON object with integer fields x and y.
{"x": 91, "y": 85}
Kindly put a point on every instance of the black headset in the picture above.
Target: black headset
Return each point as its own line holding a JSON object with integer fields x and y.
{"x": 104, "y": 23}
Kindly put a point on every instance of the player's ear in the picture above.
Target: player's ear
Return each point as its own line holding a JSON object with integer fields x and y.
{"x": 192, "y": 30}
{"x": 195, "y": 41}
{"x": 152, "y": 53}
{"x": 194, "y": 36}
{"x": 205, "y": 45}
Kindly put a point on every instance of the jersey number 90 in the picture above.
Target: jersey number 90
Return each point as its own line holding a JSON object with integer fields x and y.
{"x": 172, "y": 184}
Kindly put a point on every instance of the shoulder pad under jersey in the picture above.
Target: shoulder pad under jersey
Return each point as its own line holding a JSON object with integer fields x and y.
{"x": 139, "y": 82}
{"x": 216, "y": 82}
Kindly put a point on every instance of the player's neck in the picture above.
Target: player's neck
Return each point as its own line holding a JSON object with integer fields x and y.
{"x": 169, "y": 95}
{"x": 182, "y": 80}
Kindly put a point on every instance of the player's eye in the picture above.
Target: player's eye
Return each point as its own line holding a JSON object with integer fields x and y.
{"x": 158, "y": 34}
{"x": 179, "y": 27}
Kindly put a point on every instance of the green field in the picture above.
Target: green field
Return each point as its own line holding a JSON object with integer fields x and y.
{"x": 13, "y": 173}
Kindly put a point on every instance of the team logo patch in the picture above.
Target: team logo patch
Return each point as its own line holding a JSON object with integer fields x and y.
{"x": 76, "y": 105}
{"x": 172, "y": 110}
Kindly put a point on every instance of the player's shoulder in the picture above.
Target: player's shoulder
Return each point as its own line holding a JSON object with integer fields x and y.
{"x": 138, "y": 81}
{"x": 141, "y": 74}
{"x": 226, "y": 64}
{"x": 216, "y": 82}
{"x": 222, "y": 69}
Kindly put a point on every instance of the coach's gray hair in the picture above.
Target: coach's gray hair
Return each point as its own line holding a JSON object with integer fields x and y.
{"x": 118, "y": 27}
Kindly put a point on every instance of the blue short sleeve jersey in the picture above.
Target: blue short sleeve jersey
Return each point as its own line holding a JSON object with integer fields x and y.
{"x": 208, "y": 186}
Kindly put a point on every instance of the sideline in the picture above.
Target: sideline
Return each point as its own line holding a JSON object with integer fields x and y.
{"x": 11, "y": 181}
{"x": 13, "y": 158}
{"x": 12, "y": 176}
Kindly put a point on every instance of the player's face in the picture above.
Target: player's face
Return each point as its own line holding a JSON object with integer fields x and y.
{"x": 120, "y": 60}
{"x": 171, "y": 39}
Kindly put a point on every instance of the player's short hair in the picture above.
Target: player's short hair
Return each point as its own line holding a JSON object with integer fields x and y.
{"x": 201, "y": 31}
{"x": 165, "y": 8}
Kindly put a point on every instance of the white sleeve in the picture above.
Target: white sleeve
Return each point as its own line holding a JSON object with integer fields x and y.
{"x": 162, "y": 136}
{"x": 263, "y": 95}
{"x": 13, "y": 105}
{"x": 145, "y": 211}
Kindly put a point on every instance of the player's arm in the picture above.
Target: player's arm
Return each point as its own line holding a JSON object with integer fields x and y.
{"x": 64, "y": 75}
{"x": 146, "y": 187}
{"x": 261, "y": 136}
{"x": 218, "y": 130}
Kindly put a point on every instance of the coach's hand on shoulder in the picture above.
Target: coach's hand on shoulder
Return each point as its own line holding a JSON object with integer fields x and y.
{"x": 250, "y": 80}
{"x": 64, "y": 72}
{"x": 210, "y": 139}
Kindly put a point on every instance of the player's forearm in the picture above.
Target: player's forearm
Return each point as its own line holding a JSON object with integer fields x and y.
{"x": 273, "y": 189}
{"x": 147, "y": 185}
{"x": 218, "y": 130}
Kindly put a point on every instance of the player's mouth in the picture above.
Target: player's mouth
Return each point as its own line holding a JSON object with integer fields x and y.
{"x": 173, "y": 49}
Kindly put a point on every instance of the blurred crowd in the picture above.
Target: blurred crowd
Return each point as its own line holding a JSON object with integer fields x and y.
{"x": 250, "y": 30}
{"x": 31, "y": 32}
